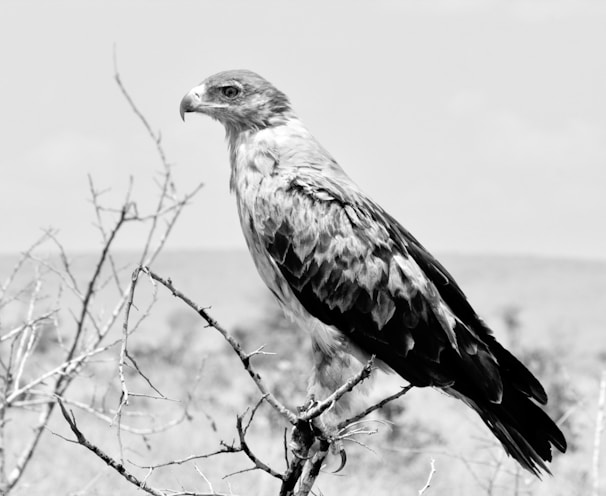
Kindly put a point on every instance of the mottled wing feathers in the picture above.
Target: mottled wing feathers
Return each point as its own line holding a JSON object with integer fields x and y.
{"x": 352, "y": 266}
{"x": 341, "y": 265}
{"x": 456, "y": 300}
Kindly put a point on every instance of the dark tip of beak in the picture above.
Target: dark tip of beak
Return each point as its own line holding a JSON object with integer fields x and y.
{"x": 184, "y": 107}
{"x": 189, "y": 103}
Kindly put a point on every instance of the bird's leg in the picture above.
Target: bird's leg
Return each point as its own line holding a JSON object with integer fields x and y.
{"x": 330, "y": 372}
{"x": 310, "y": 402}
{"x": 302, "y": 436}
{"x": 302, "y": 439}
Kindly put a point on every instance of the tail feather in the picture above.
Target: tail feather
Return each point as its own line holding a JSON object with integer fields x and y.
{"x": 515, "y": 371}
{"x": 526, "y": 432}
{"x": 524, "y": 429}
{"x": 505, "y": 394}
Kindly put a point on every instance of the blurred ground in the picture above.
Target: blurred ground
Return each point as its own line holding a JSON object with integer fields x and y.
{"x": 550, "y": 311}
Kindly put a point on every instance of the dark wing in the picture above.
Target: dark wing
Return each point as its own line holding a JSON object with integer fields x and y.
{"x": 354, "y": 267}
{"x": 453, "y": 296}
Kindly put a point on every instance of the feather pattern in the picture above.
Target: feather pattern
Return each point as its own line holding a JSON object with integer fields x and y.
{"x": 359, "y": 282}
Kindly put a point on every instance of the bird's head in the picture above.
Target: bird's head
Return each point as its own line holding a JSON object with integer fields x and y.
{"x": 238, "y": 99}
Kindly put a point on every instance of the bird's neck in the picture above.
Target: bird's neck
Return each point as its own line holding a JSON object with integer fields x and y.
{"x": 237, "y": 130}
{"x": 254, "y": 151}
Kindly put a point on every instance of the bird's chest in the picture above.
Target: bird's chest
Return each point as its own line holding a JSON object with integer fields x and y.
{"x": 260, "y": 181}
{"x": 256, "y": 178}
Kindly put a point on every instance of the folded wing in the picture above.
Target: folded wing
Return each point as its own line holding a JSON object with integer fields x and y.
{"x": 354, "y": 267}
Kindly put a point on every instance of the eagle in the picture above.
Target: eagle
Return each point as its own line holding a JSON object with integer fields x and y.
{"x": 351, "y": 275}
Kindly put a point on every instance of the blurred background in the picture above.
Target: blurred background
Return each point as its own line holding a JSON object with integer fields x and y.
{"x": 481, "y": 126}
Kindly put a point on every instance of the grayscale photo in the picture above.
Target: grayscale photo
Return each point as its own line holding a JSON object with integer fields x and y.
{"x": 303, "y": 248}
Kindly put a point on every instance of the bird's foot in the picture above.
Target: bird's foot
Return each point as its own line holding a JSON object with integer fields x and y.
{"x": 336, "y": 447}
{"x": 307, "y": 436}
{"x": 328, "y": 432}
{"x": 303, "y": 436}
{"x": 310, "y": 402}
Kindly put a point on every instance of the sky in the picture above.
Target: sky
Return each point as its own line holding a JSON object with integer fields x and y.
{"x": 481, "y": 126}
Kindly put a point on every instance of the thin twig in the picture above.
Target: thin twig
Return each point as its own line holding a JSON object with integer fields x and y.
{"x": 429, "y": 478}
{"x": 319, "y": 408}
{"x": 17, "y": 267}
{"x": 27, "y": 324}
{"x": 59, "y": 387}
{"x": 244, "y": 358}
{"x": 27, "y": 341}
{"x": 145, "y": 378}
{"x": 597, "y": 440}
{"x": 118, "y": 467}
{"x": 253, "y": 458}
{"x": 133, "y": 430}
{"x": 312, "y": 469}
{"x": 84, "y": 344}
{"x": 225, "y": 449}
{"x": 372, "y": 408}
{"x": 242, "y": 429}
{"x": 122, "y": 360}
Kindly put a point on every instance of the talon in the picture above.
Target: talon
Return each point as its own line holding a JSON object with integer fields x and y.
{"x": 343, "y": 461}
{"x": 309, "y": 403}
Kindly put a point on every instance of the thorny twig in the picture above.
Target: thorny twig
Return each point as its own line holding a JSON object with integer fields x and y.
{"x": 373, "y": 408}
{"x": 242, "y": 429}
{"x": 81, "y": 345}
{"x": 599, "y": 427}
{"x": 319, "y": 408}
{"x": 9, "y": 280}
{"x": 427, "y": 485}
{"x": 311, "y": 438}
{"x": 116, "y": 465}
{"x": 244, "y": 357}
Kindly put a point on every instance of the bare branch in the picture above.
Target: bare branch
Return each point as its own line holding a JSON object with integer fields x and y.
{"x": 61, "y": 382}
{"x": 140, "y": 372}
{"x": 374, "y": 407}
{"x": 155, "y": 137}
{"x": 22, "y": 374}
{"x": 118, "y": 467}
{"x": 64, "y": 260}
{"x": 30, "y": 323}
{"x": 28, "y": 450}
{"x": 244, "y": 358}
{"x": 427, "y": 485}
{"x": 65, "y": 369}
{"x": 317, "y": 410}
{"x": 27, "y": 342}
{"x": 599, "y": 427}
{"x": 244, "y": 445}
{"x": 312, "y": 468}
{"x": 133, "y": 430}
{"x": 9, "y": 280}
{"x": 98, "y": 209}
{"x": 225, "y": 449}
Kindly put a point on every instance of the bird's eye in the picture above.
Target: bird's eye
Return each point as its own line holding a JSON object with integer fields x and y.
{"x": 230, "y": 91}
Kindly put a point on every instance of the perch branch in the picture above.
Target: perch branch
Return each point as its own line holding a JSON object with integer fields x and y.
{"x": 319, "y": 408}
{"x": 117, "y": 466}
{"x": 374, "y": 407}
{"x": 599, "y": 427}
{"x": 427, "y": 485}
{"x": 244, "y": 357}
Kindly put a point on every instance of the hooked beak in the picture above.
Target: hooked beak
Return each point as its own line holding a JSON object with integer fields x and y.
{"x": 192, "y": 101}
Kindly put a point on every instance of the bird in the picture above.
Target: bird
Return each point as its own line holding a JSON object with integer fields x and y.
{"x": 355, "y": 279}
